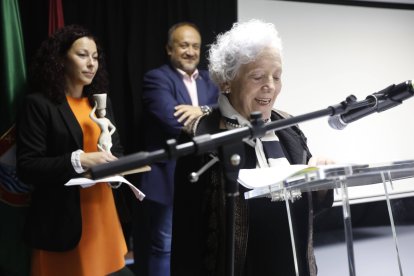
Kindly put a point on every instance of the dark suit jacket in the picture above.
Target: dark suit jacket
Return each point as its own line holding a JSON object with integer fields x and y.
{"x": 163, "y": 90}
{"x": 48, "y": 133}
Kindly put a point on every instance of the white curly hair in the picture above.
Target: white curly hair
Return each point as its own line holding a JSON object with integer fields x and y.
{"x": 240, "y": 45}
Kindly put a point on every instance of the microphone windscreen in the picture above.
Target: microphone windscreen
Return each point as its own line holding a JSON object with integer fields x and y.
{"x": 336, "y": 122}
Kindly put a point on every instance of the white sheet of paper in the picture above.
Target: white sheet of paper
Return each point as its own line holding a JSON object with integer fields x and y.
{"x": 262, "y": 177}
{"x": 86, "y": 182}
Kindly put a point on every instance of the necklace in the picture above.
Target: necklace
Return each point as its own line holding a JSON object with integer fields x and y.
{"x": 234, "y": 124}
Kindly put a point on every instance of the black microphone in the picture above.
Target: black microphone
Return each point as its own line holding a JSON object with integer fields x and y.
{"x": 380, "y": 101}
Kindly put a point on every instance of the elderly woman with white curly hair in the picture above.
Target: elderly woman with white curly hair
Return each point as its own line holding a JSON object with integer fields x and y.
{"x": 246, "y": 63}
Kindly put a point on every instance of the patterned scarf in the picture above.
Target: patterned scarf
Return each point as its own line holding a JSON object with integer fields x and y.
{"x": 268, "y": 150}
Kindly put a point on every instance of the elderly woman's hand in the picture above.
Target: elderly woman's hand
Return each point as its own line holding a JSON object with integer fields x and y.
{"x": 315, "y": 161}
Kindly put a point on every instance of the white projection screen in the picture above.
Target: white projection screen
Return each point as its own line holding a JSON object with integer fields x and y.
{"x": 332, "y": 51}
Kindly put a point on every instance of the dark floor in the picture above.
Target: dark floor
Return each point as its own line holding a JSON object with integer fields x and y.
{"x": 374, "y": 249}
{"x": 375, "y": 252}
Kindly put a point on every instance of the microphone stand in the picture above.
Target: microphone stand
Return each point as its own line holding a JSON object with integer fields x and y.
{"x": 231, "y": 154}
{"x": 208, "y": 142}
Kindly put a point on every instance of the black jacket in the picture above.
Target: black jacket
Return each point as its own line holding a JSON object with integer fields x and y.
{"x": 199, "y": 239}
{"x": 47, "y": 135}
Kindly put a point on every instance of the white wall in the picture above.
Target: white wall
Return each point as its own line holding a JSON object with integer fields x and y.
{"x": 332, "y": 51}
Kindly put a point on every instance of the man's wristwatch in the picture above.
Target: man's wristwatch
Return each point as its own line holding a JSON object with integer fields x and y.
{"x": 205, "y": 109}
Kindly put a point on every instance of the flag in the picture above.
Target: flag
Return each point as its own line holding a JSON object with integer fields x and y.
{"x": 14, "y": 196}
{"x": 12, "y": 81}
{"x": 13, "y": 66}
{"x": 55, "y": 16}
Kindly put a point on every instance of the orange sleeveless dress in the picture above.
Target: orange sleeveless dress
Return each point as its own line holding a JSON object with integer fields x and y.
{"x": 102, "y": 246}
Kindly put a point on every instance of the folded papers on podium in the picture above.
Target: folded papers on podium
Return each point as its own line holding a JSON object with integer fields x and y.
{"x": 262, "y": 177}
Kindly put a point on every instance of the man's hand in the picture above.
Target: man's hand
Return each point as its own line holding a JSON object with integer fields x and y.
{"x": 187, "y": 113}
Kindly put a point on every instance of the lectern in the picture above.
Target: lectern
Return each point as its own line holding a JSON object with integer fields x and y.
{"x": 339, "y": 177}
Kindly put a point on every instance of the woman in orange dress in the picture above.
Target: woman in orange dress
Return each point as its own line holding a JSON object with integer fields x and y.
{"x": 72, "y": 230}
